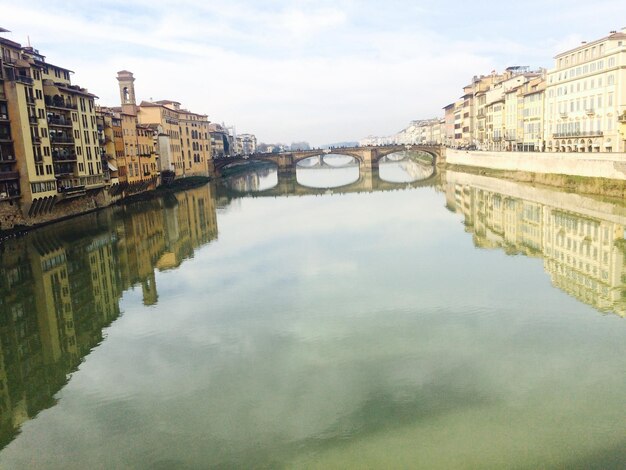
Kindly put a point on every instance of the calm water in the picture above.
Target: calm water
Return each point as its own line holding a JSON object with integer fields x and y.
{"x": 453, "y": 322}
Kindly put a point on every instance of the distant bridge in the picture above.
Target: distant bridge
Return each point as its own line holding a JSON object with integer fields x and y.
{"x": 367, "y": 157}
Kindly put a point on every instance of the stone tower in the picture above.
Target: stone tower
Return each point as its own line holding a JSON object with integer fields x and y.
{"x": 127, "y": 91}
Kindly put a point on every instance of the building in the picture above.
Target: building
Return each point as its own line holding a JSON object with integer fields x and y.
{"x": 532, "y": 95}
{"x": 49, "y": 147}
{"x": 140, "y": 158}
{"x": 106, "y": 138}
{"x": 246, "y": 144}
{"x": 448, "y": 131}
{"x": 585, "y": 97}
{"x": 195, "y": 142}
{"x": 221, "y": 143}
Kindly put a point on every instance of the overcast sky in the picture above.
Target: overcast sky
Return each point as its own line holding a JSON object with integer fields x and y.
{"x": 321, "y": 71}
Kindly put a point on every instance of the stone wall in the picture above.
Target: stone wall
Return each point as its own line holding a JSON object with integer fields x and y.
{"x": 12, "y": 216}
{"x": 592, "y": 165}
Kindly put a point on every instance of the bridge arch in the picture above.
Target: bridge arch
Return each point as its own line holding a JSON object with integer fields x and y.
{"x": 434, "y": 153}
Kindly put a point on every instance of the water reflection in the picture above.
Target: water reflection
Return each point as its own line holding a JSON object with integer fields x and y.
{"x": 259, "y": 179}
{"x": 318, "y": 332}
{"x": 406, "y": 167}
{"x": 61, "y": 285}
{"x": 581, "y": 240}
{"x": 327, "y": 171}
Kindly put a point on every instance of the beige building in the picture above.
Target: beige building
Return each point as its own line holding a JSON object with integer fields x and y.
{"x": 585, "y": 97}
{"x": 532, "y": 100}
{"x": 189, "y": 138}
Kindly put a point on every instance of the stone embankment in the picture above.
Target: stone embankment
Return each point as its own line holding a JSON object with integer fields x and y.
{"x": 588, "y": 173}
{"x": 13, "y": 221}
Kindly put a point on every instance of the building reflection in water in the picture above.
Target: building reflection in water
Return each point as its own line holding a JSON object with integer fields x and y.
{"x": 61, "y": 285}
{"x": 581, "y": 240}
{"x": 259, "y": 179}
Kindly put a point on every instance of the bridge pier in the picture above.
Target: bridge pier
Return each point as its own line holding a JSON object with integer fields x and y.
{"x": 368, "y": 178}
{"x": 287, "y": 180}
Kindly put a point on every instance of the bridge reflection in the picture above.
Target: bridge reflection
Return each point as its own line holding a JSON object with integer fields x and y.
{"x": 270, "y": 182}
{"x": 580, "y": 239}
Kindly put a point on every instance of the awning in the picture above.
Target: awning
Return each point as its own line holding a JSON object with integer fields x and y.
{"x": 111, "y": 166}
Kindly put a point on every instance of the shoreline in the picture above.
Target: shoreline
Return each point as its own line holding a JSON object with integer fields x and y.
{"x": 181, "y": 184}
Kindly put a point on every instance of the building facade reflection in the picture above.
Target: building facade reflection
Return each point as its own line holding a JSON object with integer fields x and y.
{"x": 581, "y": 240}
{"x": 61, "y": 285}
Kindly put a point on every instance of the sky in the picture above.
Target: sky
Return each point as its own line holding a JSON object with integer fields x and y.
{"x": 300, "y": 70}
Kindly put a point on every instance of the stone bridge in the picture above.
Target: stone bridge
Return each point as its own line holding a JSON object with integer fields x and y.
{"x": 367, "y": 157}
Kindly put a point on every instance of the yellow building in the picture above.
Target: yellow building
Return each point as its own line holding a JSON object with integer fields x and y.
{"x": 48, "y": 132}
{"x": 140, "y": 158}
{"x": 196, "y": 142}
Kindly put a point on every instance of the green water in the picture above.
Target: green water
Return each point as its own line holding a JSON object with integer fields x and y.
{"x": 455, "y": 322}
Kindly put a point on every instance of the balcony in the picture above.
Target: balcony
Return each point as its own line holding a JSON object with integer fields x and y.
{"x": 59, "y": 121}
{"x": 71, "y": 189}
{"x": 30, "y": 100}
{"x": 622, "y": 118}
{"x": 64, "y": 171}
{"x": 563, "y": 115}
{"x": 5, "y": 138}
{"x": 33, "y": 120}
{"x": 9, "y": 191}
{"x": 9, "y": 175}
{"x": 61, "y": 140}
{"x": 561, "y": 135}
{"x": 60, "y": 103}
{"x": 590, "y": 111}
{"x": 6, "y": 156}
{"x": 25, "y": 79}
{"x": 63, "y": 156}
{"x": 36, "y": 139}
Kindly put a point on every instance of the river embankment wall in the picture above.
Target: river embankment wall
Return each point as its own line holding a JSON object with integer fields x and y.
{"x": 14, "y": 220}
{"x": 590, "y": 165}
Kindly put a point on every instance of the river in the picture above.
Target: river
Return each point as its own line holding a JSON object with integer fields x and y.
{"x": 400, "y": 320}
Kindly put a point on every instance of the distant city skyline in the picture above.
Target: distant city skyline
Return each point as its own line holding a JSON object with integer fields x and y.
{"x": 291, "y": 71}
